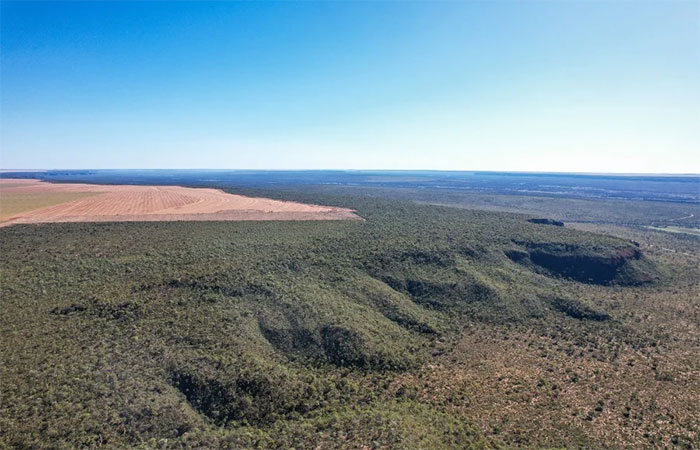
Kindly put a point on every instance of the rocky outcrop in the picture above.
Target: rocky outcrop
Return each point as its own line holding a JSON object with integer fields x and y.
{"x": 624, "y": 266}
{"x": 556, "y": 223}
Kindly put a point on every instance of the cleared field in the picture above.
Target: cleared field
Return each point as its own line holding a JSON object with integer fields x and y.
{"x": 12, "y": 204}
{"x": 690, "y": 231}
{"x": 34, "y": 201}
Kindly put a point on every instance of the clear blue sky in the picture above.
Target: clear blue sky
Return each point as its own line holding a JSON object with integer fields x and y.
{"x": 585, "y": 86}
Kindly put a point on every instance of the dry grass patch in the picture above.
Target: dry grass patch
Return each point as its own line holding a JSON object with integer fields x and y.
{"x": 13, "y": 203}
{"x": 33, "y": 201}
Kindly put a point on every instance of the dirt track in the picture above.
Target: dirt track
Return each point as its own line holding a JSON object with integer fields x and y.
{"x": 119, "y": 203}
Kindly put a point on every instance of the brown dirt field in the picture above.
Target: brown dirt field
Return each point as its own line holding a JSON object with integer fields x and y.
{"x": 14, "y": 203}
{"x": 119, "y": 203}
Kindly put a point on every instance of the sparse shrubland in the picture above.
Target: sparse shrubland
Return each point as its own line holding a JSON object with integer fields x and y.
{"x": 419, "y": 327}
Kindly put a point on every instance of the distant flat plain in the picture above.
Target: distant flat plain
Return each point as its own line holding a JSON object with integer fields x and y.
{"x": 35, "y": 201}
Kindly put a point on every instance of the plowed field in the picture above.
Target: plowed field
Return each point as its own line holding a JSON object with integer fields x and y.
{"x": 34, "y": 201}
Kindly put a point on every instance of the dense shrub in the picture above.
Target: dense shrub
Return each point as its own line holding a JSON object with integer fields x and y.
{"x": 267, "y": 334}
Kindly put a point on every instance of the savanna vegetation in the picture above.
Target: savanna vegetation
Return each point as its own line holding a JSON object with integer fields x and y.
{"x": 419, "y": 327}
{"x": 620, "y": 211}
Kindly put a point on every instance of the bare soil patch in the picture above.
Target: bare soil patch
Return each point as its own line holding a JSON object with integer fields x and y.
{"x": 34, "y": 201}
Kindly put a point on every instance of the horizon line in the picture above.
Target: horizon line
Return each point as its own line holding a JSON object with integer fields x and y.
{"x": 524, "y": 172}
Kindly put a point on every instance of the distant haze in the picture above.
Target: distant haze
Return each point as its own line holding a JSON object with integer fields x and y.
{"x": 516, "y": 86}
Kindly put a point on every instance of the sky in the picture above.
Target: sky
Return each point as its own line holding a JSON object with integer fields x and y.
{"x": 568, "y": 86}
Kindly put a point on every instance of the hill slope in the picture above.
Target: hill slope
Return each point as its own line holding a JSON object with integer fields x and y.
{"x": 268, "y": 334}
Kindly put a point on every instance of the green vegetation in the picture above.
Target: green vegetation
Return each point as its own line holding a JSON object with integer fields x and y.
{"x": 611, "y": 211}
{"x": 338, "y": 334}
